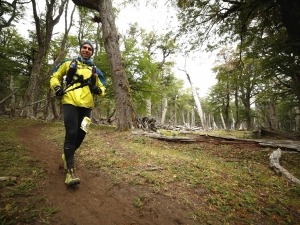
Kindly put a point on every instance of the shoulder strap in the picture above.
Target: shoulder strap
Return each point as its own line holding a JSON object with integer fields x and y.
{"x": 71, "y": 71}
{"x": 62, "y": 62}
{"x": 100, "y": 75}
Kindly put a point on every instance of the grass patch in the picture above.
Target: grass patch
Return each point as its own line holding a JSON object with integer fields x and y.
{"x": 20, "y": 203}
{"x": 222, "y": 184}
{"x": 219, "y": 184}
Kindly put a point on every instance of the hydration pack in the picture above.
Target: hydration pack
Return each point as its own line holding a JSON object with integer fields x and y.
{"x": 71, "y": 72}
{"x": 71, "y": 76}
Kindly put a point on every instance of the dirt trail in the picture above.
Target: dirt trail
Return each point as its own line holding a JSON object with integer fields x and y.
{"x": 97, "y": 200}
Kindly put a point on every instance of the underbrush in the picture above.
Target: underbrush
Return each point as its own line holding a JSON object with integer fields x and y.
{"x": 20, "y": 176}
{"x": 218, "y": 184}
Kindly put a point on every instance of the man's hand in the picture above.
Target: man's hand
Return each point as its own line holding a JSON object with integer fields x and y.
{"x": 93, "y": 80}
{"x": 96, "y": 90}
{"x": 59, "y": 91}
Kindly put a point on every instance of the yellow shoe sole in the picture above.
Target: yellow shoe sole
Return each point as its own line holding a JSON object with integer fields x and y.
{"x": 71, "y": 180}
{"x": 64, "y": 161}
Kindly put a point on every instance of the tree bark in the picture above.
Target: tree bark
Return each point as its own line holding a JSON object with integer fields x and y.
{"x": 57, "y": 59}
{"x": 43, "y": 35}
{"x": 11, "y": 13}
{"x": 197, "y": 103}
{"x": 291, "y": 19}
{"x": 13, "y": 98}
{"x": 148, "y": 107}
{"x": 164, "y": 110}
{"x": 226, "y": 109}
{"x": 297, "y": 125}
{"x": 222, "y": 119}
{"x": 125, "y": 114}
{"x": 193, "y": 119}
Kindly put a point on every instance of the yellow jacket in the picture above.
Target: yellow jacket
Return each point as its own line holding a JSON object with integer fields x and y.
{"x": 80, "y": 97}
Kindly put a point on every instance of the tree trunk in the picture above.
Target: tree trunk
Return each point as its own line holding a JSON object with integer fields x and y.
{"x": 164, "y": 110}
{"x": 183, "y": 119}
{"x": 175, "y": 113}
{"x": 43, "y": 34}
{"x": 271, "y": 116}
{"x": 248, "y": 115}
{"x": 33, "y": 89}
{"x": 236, "y": 102}
{"x": 124, "y": 109}
{"x": 222, "y": 119}
{"x": 13, "y": 98}
{"x": 291, "y": 20}
{"x": 297, "y": 125}
{"x": 226, "y": 111}
{"x": 197, "y": 103}
{"x": 193, "y": 119}
{"x": 125, "y": 115}
{"x": 57, "y": 59}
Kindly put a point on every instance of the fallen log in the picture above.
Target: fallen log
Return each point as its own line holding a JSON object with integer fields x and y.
{"x": 275, "y": 165}
{"x": 166, "y": 138}
{"x": 283, "y": 144}
{"x": 278, "y": 134}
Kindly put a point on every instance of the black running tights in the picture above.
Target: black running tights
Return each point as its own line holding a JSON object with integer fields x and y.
{"x": 74, "y": 136}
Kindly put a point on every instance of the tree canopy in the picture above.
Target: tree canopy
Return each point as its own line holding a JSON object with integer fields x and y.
{"x": 257, "y": 70}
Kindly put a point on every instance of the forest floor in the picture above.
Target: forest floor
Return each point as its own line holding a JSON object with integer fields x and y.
{"x": 129, "y": 179}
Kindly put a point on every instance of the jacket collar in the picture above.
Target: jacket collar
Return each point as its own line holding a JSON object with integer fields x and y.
{"x": 89, "y": 62}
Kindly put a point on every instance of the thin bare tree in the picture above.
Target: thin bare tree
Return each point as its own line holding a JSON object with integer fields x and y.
{"x": 44, "y": 30}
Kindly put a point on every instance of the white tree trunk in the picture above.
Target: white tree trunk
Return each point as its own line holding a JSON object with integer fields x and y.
{"x": 164, "y": 110}
{"x": 183, "y": 119}
{"x": 175, "y": 114}
{"x": 233, "y": 121}
{"x": 193, "y": 122}
{"x": 188, "y": 118}
{"x": 223, "y": 122}
{"x": 215, "y": 125}
{"x": 198, "y": 104}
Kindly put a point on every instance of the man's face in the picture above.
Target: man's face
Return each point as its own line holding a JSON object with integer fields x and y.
{"x": 86, "y": 51}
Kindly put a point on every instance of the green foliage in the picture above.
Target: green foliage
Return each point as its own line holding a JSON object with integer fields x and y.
{"x": 15, "y": 61}
{"x": 10, "y": 12}
{"x": 226, "y": 183}
{"x": 260, "y": 70}
{"x": 247, "y": 81}
{"x": 86, "y": 28}
{"x": 146, "y": 74}
{"x": 266, "y": 50}
{"x": 229, "y": 183}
